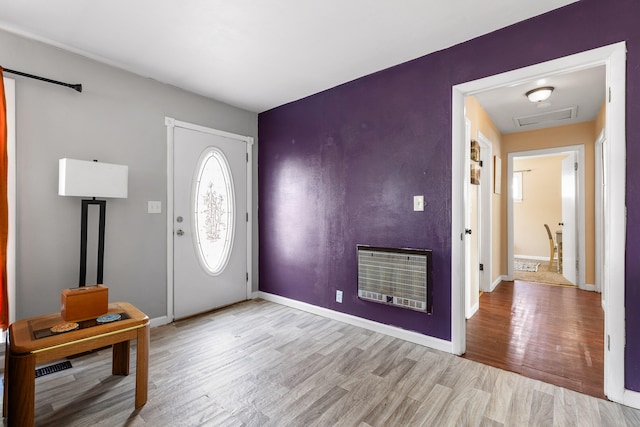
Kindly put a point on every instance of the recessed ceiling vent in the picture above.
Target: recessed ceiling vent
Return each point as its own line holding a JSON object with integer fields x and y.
{"x": 546, "y": 117}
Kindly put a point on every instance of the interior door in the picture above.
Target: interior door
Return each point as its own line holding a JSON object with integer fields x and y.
{"x": 569, "y": 218}
{"x": 210, "y": 226}
{"x": 468, "y": 292}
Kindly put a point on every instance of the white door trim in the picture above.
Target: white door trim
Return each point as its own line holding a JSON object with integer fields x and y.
{"x": 172, "y": 123}
{"x": 486, "y": 212}
{"x": 599, "y": 219}
{"x": 614, "y": 58}
{"x": 580, "y": 207}
{"x": 10, "y": 99}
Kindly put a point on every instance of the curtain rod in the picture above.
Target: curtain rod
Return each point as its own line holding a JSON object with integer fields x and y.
{"x": 77, "y": 87}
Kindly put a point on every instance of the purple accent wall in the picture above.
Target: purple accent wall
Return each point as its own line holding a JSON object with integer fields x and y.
{"x": 341, "y": 167}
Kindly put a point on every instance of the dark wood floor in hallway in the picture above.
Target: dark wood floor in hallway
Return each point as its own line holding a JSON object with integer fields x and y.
{"x": 550, "y": 333}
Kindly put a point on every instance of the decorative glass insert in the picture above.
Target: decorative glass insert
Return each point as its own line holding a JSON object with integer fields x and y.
{"x": 214, "y": 206}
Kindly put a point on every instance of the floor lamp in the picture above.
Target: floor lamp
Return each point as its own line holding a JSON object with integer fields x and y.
{"x": 82, "y": 178}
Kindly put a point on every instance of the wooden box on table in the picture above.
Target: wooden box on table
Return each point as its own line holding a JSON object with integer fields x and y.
{"x": 86, "y": 302}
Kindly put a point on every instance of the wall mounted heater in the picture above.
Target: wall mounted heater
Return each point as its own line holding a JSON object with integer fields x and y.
{"x": 394, "y": 276}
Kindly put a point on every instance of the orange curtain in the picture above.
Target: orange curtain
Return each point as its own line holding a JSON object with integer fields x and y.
{"x": 4, "y": 210}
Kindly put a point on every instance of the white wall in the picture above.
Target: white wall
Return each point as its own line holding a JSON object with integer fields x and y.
{"x": 118, "y": 118}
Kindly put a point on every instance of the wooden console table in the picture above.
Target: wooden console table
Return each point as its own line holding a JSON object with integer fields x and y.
{"x": 24, "y": 350}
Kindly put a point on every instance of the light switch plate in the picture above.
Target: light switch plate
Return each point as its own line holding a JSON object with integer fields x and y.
{"x": 339, "y": 296}
{"x": 154, "y": 206}
{"x": 418, "y": 203}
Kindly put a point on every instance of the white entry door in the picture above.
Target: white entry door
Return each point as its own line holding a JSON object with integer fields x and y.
{"x": 569, "y": 219}
{"x": 210, "y": 220}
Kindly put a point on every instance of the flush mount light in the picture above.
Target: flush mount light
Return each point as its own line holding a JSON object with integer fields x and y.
{"x": 539, "y": 94}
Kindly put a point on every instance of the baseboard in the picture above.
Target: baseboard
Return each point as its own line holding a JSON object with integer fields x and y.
{"x": 588, "y": 287}
{"x": 495, "y": 284}
{"x": 414, "y": 337}
{"x": 159, "y": 321}
{"x": 631, "y": 398}
{"x": 534, "y": 257}
{"x": 474, "y": 309}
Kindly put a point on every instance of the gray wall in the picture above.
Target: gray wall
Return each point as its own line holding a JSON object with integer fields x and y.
{"x": 118, "y": 118}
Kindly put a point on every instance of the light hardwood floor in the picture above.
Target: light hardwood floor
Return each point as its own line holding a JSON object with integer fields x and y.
{"x": 262, "y": 364}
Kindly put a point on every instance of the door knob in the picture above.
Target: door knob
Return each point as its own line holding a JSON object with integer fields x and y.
{"x": 180, "y": 232}
{"x": 179, "y": 219}
{"x": 467, "y": 231}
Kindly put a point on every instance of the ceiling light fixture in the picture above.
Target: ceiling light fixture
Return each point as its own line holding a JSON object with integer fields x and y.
{"x": 539, "y": 94}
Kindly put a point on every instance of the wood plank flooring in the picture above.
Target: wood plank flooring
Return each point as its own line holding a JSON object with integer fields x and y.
{"x": 551, "y": 333}
{"x": 262, "y": 364}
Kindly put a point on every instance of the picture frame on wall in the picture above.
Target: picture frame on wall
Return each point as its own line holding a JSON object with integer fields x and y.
{"x": 475, "y": 150}
{"x": 475, "y": 173}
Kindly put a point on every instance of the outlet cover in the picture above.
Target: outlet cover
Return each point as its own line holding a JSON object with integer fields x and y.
{"x": 339, "y": 296}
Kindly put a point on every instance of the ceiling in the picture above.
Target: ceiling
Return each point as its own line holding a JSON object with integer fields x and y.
{"x": 583, "y": 91}
{"x": 258, "y": 55}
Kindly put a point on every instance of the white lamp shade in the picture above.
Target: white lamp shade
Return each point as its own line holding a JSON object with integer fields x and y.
{"x": 540, "y": 94}
{"x": 92, "y": 179}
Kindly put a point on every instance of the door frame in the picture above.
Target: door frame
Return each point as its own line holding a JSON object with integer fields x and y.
{"x": 171, "y": 124}
{"x": 599, "y": 212}
{"x": 486, "y": 212}
{"x": 579, "y": 205}
{"x": 614, "y": 58}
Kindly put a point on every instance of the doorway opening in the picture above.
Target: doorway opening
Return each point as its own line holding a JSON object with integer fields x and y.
{"x": 613, "y": 58}
{"x": 539, "y": 323}
{"x": 551, "y": 187}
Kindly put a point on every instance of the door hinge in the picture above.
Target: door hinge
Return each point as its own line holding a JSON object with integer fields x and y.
{"x": 609, "y": 93}
{"x": 608, "y": 342}
{"x": 247, "y": 216}
{"x": 575, "y": 166}
{"x": 577, "y": 263}
{"x": 481, "y": 164}
{"x": 247, "y": 157}
{"x": 247, "y": 276}
{"x": 481, "y": 267}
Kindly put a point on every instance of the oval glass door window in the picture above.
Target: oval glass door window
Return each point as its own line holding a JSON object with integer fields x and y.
{"x": 214, "y": 206}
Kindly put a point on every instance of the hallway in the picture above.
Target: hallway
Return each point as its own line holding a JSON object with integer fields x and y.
{"x": 550, "y": 333}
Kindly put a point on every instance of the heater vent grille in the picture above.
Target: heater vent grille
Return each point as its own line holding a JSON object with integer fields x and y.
{"x": 394, "y": 276}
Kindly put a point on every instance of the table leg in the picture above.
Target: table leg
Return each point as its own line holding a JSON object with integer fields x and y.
{"x": 120, "y": 362}
{"x": 21, "y": 388}
{"x": 142, "y": 366}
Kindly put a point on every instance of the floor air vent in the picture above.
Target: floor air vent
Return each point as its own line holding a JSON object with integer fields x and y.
{"x": 53, "y": 368}
{"x": 393, "y": 276}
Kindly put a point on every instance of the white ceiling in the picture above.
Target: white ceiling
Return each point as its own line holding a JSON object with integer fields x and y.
{"x": 584, "y": 89}
{"x": 264, "y": 53}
